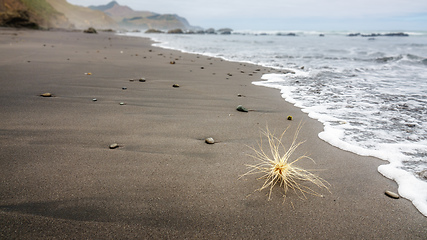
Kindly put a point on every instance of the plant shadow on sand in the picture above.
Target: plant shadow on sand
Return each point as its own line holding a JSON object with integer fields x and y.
{"x": 277, "y": 166}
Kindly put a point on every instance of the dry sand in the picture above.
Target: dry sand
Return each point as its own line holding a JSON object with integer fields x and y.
{"x": 60, "y": 180}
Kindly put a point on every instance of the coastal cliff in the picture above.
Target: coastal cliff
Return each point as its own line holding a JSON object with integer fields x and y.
{"x": 31, "y": 14}
{"x": 131, "y": 19}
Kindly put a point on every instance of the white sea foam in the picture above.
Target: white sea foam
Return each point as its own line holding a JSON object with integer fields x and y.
{"x": 371, "y": 95}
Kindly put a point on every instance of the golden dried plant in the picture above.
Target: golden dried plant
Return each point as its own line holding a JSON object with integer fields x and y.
{"x": 278, "y": 168}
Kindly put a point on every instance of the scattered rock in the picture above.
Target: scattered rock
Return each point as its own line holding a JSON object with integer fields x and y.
{"x": 423, "y": 174}
{"x": 176, "y": 31}
{"x": 225, "y": 31}
{"x": 175, "y": 85}
{"x": 90, "y": 30}
{"x": 88, "y": 73}
{"x": 114, "y": 146}
{"x": 290, "y": 118}
{"x": 240, "y": 108}
{"x": 392, "y": 194}
{"x": 94, "y": 99}
{"x": 288, "y": 71}
{"x": 124, "y": 88}
{"x": 122, "y": 103}
{"x": 209, "y": 140}
{"x": 131, "y": 80}
{"x": 172, "y": 62}
{"x": 46, "y": 95}
{"x": 151, "y": 30}
{"x": 142, "y": 79}
{"x": 202, "y": 67}
{"x": 229, "y": 74}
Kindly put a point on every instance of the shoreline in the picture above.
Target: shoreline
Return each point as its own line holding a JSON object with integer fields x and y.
{"x": 61, "y": 179}
{"x": 388, "y": 169}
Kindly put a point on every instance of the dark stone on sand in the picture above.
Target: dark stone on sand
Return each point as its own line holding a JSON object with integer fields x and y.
{"x": 175, "y": 85}
{"x": 114, "y": 146}
{"x": 172, "y": 62}
{"x": 209, "y": 140}
{"x": 90, "y": 30}
{"x": 142, "y": 80}
{"x": 94, "y": 99}
{"x": 124, "y": 88}
{"x": 202, "y": 67}
{"x": 392, "y": 194}
{"x": 289, "y": 118}
{"x": 240, "y": 108}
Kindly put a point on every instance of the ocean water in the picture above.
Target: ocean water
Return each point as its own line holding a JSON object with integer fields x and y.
{"x": 370, "y": 93}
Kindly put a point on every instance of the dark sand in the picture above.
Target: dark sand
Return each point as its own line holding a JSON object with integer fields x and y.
{"x": 60, "y": 180}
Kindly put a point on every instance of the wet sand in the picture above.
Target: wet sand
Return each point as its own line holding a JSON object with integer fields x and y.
{"x": 60, "y": 180}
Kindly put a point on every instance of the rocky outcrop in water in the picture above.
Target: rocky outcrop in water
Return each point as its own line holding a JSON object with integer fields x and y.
{"x": 399, "y": 34}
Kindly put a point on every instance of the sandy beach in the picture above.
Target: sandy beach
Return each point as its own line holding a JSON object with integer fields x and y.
{"x": 60, "y": 179}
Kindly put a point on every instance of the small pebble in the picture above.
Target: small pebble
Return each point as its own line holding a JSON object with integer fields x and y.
{"x": 131, "y": 80}
{"x": 392, "y": 194}
{"x": 209, "y": 141}
{"x": 46, "y": 95}
{"x": 94, "y": 99}
{"x": 202, "y": 67}
{"x": 172, "y": 62}
{"x": 142, "y": 79}
{"x": 122, "y": 103}
{"x": 240, "y": 108}
{"x": 289, "y": 118}
{"x": 124, "y": 88}
{"x": 175, "y": 85}
{"x": 114, "y": 146}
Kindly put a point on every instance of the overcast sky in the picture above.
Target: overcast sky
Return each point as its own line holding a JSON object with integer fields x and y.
{"x": 405, "y": 15}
